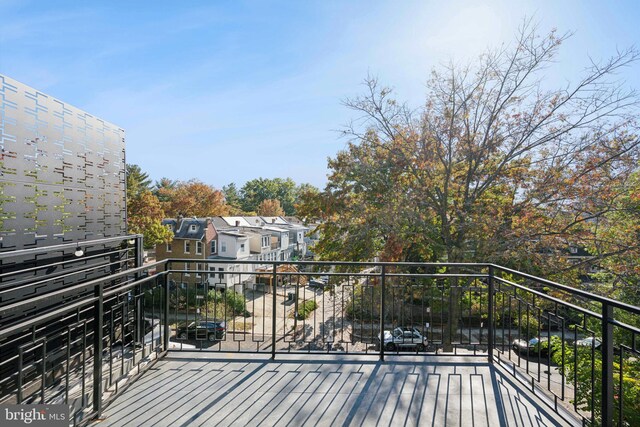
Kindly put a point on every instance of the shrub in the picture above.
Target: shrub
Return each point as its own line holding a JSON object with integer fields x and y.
{"x": 528, "y": 324}
{"x": 305, "y": 309}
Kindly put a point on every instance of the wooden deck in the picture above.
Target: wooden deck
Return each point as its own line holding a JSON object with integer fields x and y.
{"x": 248, "y": 390}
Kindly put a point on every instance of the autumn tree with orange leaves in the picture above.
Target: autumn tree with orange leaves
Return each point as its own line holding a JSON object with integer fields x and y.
{"x": 494, "y": 167}
{"x": 194, "y": 199}
{"x": 270, "y": 207}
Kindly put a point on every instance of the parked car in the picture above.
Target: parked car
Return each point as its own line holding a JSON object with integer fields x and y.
{"x": 589, "y": 342}
{"x": 402, "y": 338}
{"x": 313, "y": 283}
{"x": 533, "y": 347}
{"x": 202, "y": 330}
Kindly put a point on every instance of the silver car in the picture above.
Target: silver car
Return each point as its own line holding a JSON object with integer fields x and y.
{"x": 404, "y": 338}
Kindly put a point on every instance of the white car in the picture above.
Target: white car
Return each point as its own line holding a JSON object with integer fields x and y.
{"x": 403, "y": 338}
{"x": 589, "y": 342}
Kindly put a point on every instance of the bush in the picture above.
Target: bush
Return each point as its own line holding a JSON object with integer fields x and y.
{"x": 528, "y": 324}
{"x": 230, "y": 302}
{"x": 305, "y": 309}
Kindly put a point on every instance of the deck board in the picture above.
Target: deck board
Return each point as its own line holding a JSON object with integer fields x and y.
{"x": 235, "y": 390}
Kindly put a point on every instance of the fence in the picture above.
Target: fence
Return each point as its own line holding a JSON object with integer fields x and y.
{"x": 86, "y": 349}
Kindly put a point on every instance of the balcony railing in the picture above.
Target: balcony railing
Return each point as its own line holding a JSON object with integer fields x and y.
{"x": 102, "y": 333}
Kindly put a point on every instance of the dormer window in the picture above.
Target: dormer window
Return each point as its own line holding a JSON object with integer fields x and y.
{"x": 573, "y": 250}
{"x": 193, "y": 228}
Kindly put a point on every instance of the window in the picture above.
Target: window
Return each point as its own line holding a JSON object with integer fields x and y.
{"x": 223, "y": 246}
{"x": 186, "y": 267}
{"x": 220, "y": 275}
{"x": 573, "y": 250}
{"x": 168, "y": 247}
{"x": 198, "y": 268}
{"x": 193, "y": 227}
{"x": 213, "y": 246}
{"x": 187, "y": 246}
{"x": 242, "y": 247}
{"x": 198, "y": 248}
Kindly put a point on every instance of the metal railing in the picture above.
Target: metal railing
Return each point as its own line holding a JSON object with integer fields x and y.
{"x": 86, "y": 350}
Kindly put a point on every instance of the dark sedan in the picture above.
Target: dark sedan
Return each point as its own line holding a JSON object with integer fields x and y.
{"x": 202, "y": 330}
{"x": 533, "y": 347}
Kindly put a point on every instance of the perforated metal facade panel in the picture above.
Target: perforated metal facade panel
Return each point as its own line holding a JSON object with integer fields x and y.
{"x": 62, "y": 171}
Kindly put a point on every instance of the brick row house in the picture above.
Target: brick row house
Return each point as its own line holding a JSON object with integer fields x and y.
{"x": 230, "y": 239}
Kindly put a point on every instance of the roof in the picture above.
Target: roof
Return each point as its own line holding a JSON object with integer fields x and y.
{"x": 256, "y": 232}
{"x": 187, "y": 228}
{"x": 278, "y": 229}
{"x": 293, "y": 220}
{"x": 236, "y": 221}
{"x": 233, "y": 233}
{"x": 219, "y": 223}
{"x": 276, "y": 220}
{"x": 255, "y": 221}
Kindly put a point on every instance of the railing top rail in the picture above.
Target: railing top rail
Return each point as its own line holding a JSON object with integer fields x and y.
{"x": 572, "y": 290}
{"x": 11, "y": 329}
{"x": 12, "y": 307}
{"x": 73, "y": 245}
{"x": 332, "y": 263}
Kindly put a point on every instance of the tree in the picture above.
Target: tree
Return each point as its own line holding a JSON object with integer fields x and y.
{"x": 494, "y": 167}
{"x": 257, "y": 190}
{"x": 164, "y": 189}
{"x": 137, "y": 181}
{"x": 194, "y": 198}
{"x": 144, "y": 212}
{"x": 231, "y": 195}
{"x": 491, "y": 167}
{"x": 270, "y": 207}
{"x": 310, "y": 205}
{"x": 145, "y": 216}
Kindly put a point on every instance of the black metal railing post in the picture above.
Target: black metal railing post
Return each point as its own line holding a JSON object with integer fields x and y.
{"x": 98, "y": 315}
{"x": 165, "y": 308}
{"x": 607, "y": 365}
{"x": 382, "y": 293}
{"x": 274, "y": 279}
{"x": 139, "y": 248}
{"x": 490, "y": 318}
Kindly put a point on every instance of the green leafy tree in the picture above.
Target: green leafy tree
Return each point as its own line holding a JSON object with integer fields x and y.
{"x": 232, "y": 195}
{"x": 257, "y": 190}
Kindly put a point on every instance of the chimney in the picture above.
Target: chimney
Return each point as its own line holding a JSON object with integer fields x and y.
{"x": 273, "y": 220}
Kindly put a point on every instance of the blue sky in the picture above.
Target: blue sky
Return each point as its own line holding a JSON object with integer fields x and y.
{"x": 228, "y": 91}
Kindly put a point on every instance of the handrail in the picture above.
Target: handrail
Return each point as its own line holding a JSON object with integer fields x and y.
{"x": 96, "y": 296}
{"x": 45, "y": 249}
{"x": 572, "y": 290}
